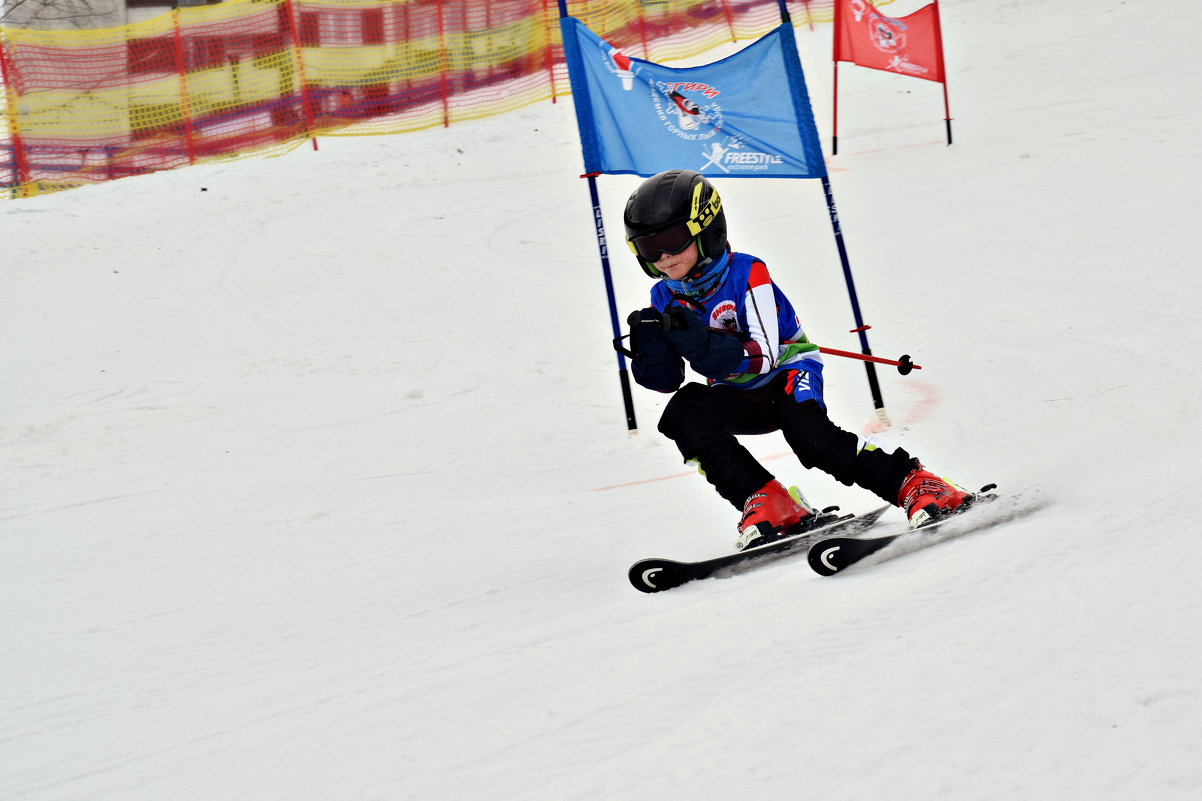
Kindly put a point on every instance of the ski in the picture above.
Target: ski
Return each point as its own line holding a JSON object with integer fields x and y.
{"x": 657, "y": 575}
{"x": 830, "y": 555}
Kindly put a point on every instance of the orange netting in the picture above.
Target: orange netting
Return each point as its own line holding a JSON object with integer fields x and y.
{"x": 255, "y": 77}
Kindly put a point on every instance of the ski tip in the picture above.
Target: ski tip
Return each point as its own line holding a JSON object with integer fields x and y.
{"x": 834, "y": 554}
{"x": 654, "y": 575}
{"x": 824, "y": 557}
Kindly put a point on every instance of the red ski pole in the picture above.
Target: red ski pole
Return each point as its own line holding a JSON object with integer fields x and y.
{"x": 904, "y": 365}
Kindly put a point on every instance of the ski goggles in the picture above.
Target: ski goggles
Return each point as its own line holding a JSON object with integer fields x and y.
{"x": 669, "y": 241}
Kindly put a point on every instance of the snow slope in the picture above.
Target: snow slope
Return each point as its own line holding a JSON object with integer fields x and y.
{"x": 315, "y": 483}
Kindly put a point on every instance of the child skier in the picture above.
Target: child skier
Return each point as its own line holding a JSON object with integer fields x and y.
{"x": 720, "y": 311}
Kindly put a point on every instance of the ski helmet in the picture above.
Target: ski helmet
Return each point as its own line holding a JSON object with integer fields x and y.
{"x": 670, "y": 211}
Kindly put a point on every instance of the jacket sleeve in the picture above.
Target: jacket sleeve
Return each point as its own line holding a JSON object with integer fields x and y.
{"x": 767, "y": 320}
{"x": 762, "y": 347}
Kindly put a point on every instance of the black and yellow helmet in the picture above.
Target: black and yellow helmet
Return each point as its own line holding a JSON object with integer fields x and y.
{"x": 671, "y": 210}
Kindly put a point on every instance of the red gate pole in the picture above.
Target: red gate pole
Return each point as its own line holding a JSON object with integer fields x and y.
{"x": 835, "y": 53}
{"x": 947, "y": 111}
{"x": 835, "y": 111}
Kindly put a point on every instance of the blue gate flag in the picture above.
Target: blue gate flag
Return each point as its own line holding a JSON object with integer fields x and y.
{"x": 747, "y": 115}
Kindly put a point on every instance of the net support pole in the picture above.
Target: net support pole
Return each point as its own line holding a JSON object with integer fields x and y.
{"x": 442, "y": 64}
{"x": 289, "y": 17}
{"x": 550, "y": 47}
{"x": 20, "y": 159}
{"x": 181, "y": 67}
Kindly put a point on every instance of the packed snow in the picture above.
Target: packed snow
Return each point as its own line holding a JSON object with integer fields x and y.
{"x": 316, "y": 482}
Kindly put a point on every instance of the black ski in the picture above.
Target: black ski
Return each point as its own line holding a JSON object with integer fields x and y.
{"x": 829, "y": 555}
{"x": 657, "y": 575}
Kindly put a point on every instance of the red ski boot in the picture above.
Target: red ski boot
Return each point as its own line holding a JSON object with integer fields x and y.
{"x": 925, "y": 497}
{"x": 770, "y": 513}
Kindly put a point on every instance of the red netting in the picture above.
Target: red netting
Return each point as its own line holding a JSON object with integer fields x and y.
{"x": 247, "y": 77}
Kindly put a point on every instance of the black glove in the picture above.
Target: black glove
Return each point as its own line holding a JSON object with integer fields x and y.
{"x": 654, "y": 361}
{"x": 647, "y": 339}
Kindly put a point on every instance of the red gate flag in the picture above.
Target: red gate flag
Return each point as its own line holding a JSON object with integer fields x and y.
{"x": 909, "y": 45}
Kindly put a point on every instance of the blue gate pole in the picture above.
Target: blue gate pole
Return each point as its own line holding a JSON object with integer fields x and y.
{"x": 623, "y": 374}
{"x": 599, "y": 225}
{"x": 874, "y": 385}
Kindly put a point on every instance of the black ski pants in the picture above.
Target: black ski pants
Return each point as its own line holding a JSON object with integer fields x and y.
{"x": 704, "y": 420}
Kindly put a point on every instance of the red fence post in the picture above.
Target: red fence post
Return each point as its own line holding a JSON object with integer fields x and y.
{"x": 442, "y": 65}
{"x": 306, "y": 104}
{"x": 642, "y": 23}
{"x": 20, "y": 158}
{"x": 730, "y": 20}
{"x": 185, "y": 106}
{"x": 550, "y": 45}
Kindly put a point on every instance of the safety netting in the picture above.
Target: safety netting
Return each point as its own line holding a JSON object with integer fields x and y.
{"x": 260, "y": 77}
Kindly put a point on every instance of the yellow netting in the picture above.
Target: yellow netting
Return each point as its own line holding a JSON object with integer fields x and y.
{"x": 259, "y": 77}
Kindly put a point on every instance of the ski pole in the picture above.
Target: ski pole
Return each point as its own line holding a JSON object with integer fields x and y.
{"x": 668, "y": 321}
{"x": 904, "y": 365}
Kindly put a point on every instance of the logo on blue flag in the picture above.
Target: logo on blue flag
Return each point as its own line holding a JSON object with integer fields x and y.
{"x": 746, "y": 115}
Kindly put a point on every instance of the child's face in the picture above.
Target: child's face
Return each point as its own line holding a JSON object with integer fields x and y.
{"x": 678, "y": 266}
